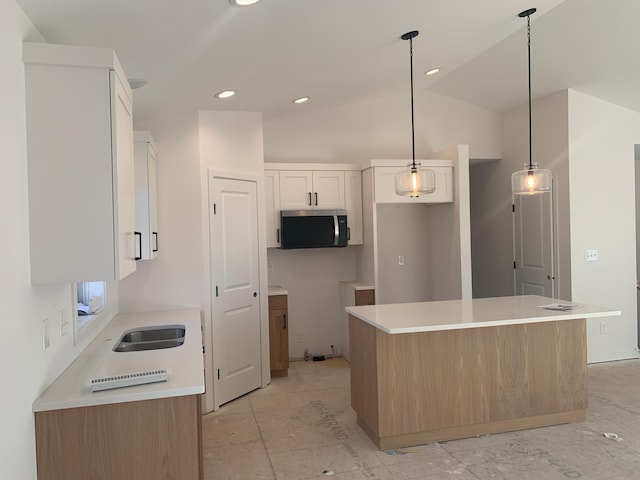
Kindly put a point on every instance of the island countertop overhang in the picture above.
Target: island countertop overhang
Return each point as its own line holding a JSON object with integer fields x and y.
{"x": 471, "y": 313}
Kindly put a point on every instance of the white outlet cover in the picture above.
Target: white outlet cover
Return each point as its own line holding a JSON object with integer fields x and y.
{"x": 591, "y": 255}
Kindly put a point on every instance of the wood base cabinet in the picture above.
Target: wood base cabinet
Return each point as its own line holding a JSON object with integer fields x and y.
{"x": 145, "y": 440}
{"x": 415, "y": 388}
{"x": 279, "y": 335}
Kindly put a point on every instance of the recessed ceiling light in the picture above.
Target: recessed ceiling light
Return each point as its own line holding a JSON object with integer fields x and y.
{"x": 243, "y": 3}
{"x": 301, "y": 100}
{"x": 433, "y": 71}
{"x": 226, "y": 94}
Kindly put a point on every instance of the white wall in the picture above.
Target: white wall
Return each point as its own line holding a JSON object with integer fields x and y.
{"x": 27, "y": 368}
{"x": 231, "y": 142}
{"x": 312, "y": 276}
{"x": 174, "y": 279}
{"x": 602, "y": 188}
{"x": 491, "y": 215}
{"x": 380, "y": 127}
{"x": 404, "y": 230}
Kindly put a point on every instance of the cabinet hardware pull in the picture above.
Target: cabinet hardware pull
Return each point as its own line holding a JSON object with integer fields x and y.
{"x": 155, "y": 236}
{"x": 285, "y": 321}
{"x": 139, "y": 235}
{"x": 309, "y": 198}
{"x": 316, "y": 199}
{"x": 348, "y": 233}
{"x": 277, "y": 235}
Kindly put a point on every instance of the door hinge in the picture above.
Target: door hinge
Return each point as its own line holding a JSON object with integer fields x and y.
{"x": 513, "y": 207}
{"x": 218, "y": 374}
{"x": 514, "y": 264}
{"x": 216, "y": 290}
{"x": 214, "y": 208}
{"x": 203, "y": 349}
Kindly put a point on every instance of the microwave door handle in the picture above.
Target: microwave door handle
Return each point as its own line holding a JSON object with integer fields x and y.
{"x": 336, "y": 230}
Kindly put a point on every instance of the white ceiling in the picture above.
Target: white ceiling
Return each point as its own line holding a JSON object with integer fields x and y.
{"x": 333, "y": 50}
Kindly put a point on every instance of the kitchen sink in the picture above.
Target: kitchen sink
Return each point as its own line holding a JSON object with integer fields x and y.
{"x": 151, "y": 338}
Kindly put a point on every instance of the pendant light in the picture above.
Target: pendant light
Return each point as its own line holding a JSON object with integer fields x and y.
{"x": 531, "y": 180}
{"x": 415, "y": 181}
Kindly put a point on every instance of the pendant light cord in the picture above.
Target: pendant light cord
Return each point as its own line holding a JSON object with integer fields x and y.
{"x": 529, "y": 68}
{"x": 413, "y": 135}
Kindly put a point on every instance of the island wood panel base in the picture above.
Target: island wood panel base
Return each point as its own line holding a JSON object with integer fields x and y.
{"x": 145, "y": 440}
{"x": 434, "y": 386}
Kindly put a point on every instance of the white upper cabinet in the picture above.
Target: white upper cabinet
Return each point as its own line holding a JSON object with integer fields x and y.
{"x": 385, "y": 187}
{"x": 146, "y": 188}
{"x": 296, "y": 190}
{"x": 80, "y": 164}
{"x": 312, "y": 190}
{"x": 272, "y": 207}
{"x": 328, "y": 190}
{"x": 353, "y": 198}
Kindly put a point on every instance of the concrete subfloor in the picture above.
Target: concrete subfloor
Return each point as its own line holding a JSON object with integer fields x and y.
{"x": 302, "y": 425}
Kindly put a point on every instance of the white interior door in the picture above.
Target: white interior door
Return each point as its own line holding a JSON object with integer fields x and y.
{"x": 235, "y": 285}
{"x": 533, "y": 245}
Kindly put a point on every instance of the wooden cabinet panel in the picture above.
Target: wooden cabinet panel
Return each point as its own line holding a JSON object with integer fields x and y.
{"x": 278, "y": 335}
{"x": 365, "y": 297}
{"x": 415, "y": 388}
{"x": 145, "y": 440}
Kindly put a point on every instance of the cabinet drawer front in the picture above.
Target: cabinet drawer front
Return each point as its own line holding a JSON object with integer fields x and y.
{"x": 278, "y": 302}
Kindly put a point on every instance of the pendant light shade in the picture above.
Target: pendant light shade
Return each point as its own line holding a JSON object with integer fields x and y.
{"x": 414, "y": 181}
{"x": 531, "y": 180}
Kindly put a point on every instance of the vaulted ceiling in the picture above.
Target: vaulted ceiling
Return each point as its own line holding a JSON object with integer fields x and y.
{"x": 335, "y": 50}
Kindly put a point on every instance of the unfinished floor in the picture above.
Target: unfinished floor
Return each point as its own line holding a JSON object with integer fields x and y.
{"x": 301, "y": 426}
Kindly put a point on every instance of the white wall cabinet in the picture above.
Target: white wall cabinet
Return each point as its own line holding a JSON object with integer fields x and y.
{"x": 313, "y": 186}
{"x": 385, "y": 188}
{"x": 146, "y": 191}
{"x": 80, "y": 164}
{"x": 312, "y": 190}
{"x": 272, "y": 207}
{"x": 353, "y": 201}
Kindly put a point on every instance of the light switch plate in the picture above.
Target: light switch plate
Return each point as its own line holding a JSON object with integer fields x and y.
{"x": 591, "y": 255}
{"x": 46, "y": 340}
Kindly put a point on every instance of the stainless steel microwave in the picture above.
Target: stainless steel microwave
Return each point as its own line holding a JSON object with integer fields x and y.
{"x": 313, "y": 228}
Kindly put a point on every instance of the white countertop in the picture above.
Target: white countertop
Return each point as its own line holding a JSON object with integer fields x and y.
{"x": 481, "y": 312}
{"x": 357, "y": 285}
{"x": 184, "y": 364}
{"x": 277, "y": 290}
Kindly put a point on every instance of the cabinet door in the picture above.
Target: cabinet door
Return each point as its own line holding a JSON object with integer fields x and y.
{"x": 328, "y": 190}
{"x": 153, "y": 201}
{"x": 146, "y": 196}
{"x": 296, "y": 189}
{"x": 122, "y": 138}
{"x": 278, "y": 335}
{"x": 353, "y": 199}
{"x": 385, "y": 188}
{"x": 272, "y": 207}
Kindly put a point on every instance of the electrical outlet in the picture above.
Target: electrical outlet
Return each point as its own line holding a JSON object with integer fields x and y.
{"x": 300, "y": 337}
{"x": 591, "y": 255}
{"x": 400, "y": 259}
{"x": 46, "y": 341}
{"x": 604, "y": 328}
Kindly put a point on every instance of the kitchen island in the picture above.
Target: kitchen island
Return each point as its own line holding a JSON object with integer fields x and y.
{"x": 145, "y": 431}
{"x": 436, "y": 371}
